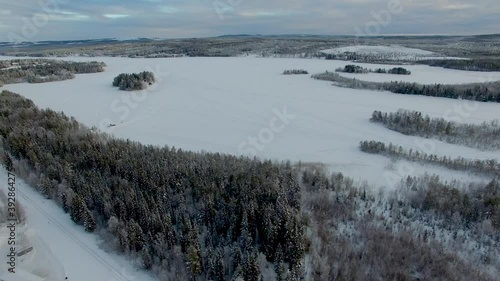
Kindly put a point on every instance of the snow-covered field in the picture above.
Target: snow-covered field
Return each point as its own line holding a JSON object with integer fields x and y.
{"x": 392, "y": 52}
{"x": 375, "y": 50}
{"x": 245, "y": 106}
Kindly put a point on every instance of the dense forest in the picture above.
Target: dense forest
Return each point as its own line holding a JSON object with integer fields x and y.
{"x": 209, "y": 216}
{"x": 469, "y": 65}
{"x": 350, "y": 68}
{"x": 40, "y": 70}
{"x": 134, "y": 81}
{"x": 485, "y": 136}
{"x": 295, "y": 72}
{"x": 490, "y": 168}
{"x": 185, "y": 214}
{"x": 484, "y": 92}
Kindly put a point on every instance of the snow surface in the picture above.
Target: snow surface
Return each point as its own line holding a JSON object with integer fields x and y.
{"x": 376, "y": 50}
{"x": 392, "y": 52}
{"x": 218, "y": 104}
{"x": 77, "y": 251}
{"x": 40, "y": 262}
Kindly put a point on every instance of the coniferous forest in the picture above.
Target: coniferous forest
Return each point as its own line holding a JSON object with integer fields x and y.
{"x": 489, "y": 167}
{"x": 469, "y": 64}
{"x": 350, "y": 68}
{"x": 484, "y": 136}
{"x": 484, "y": 92}
{"x": 209, "y": 216}
{"x": 134, "y": 81}
{"x": 42, "y": 70}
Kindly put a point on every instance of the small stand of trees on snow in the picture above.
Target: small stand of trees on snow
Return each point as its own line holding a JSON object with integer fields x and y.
{"x": 134, "y": 81}
{"x": 350, "y": 68}
{"x": 485, "y": 136}
{"x": 295, "y": 72}
{"x": 489, "y": 167}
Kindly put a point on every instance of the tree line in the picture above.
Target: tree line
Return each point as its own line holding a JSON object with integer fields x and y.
{"x": 485, "y": 136}
{"x": 468, "y": 65}
{"x": 41, "y": 71}
{"x": 489, "y": 167}
{"x": 350, "y": 68}
{"x": 134, "y": 81}
{"x": 484, "y": 92}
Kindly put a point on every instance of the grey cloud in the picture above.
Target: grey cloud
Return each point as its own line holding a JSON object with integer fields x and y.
{"x": 174, "y": 18}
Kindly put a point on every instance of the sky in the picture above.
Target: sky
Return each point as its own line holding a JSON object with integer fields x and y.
{"x": 38, "y": 20}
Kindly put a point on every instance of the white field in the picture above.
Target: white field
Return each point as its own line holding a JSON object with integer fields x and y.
{"x": 217, "y": 104}
{"x": 375, "y": 50}
{"x": 392, "y": 52}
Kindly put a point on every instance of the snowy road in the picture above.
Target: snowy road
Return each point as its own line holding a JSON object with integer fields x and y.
{"x": 76, "y": 250}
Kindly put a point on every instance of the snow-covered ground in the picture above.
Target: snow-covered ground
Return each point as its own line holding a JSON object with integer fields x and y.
{"x": 236, "y": 105}
{"x": 39, "y": 262}
{"x": 61, "y": 247}
{"x": 375, "y": 50}
{"x": 392, "y": 52}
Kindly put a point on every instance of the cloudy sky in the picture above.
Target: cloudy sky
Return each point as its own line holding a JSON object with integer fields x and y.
{"x": 36, "y": 20}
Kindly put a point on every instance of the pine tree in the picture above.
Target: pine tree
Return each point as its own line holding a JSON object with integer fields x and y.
{"x": 88, "y": 221}
{"x": 251, "y": 271}
{"x": 220, "y": 270}
{"x": 77, "y": 209}
{"x": 279, "y": 265}
{"x": 193, "y": 261}
{"x": 64, "y": 202}
{"x": 7, "y": 161}
{"x": 147, "y": 259}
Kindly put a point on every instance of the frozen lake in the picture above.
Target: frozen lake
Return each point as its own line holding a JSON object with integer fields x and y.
{"x": 244, "y": 105}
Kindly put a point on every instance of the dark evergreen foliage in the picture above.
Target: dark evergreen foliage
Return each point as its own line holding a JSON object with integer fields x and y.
{"x": 399, "y": 71}
{"x": 295, "y": 72}
{"x": 358, "y": 69}
{"x": 352, "y": 69}
{"x": 40, "y": 71}
{"x": 134, "y": 81}
{"x": 469, "y": 65}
